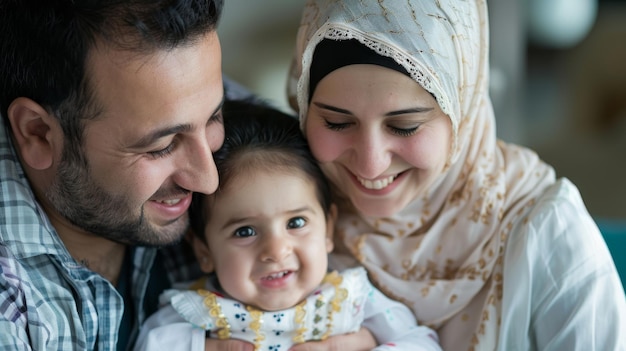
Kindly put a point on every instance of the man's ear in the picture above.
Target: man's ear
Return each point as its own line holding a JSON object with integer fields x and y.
{"x": 203, "y": 254}
{"x": 331, "y": 218}
{"x": 33, "y": 129}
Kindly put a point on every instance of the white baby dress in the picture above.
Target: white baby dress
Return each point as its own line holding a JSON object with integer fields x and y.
{"x": 335, "y": 307}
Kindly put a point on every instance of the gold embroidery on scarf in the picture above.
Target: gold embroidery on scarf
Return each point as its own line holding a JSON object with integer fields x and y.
{"x": 485, "y": 315}
{"x": 453, "y": 298}
{"x": 215, "y": 311}
{"x": 474, "y": 340}
{"x": 410, "y": 270}
{"x": 358, "y": 251}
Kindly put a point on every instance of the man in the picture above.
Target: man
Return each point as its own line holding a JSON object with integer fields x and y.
{"x": 110, "y": 113}
{"x": 111, "y": 110}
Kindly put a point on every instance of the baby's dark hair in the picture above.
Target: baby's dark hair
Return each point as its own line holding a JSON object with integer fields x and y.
{"x": 259, "y": 137}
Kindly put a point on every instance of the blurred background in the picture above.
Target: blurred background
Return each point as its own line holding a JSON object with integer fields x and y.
{"x": 558, "y": 80}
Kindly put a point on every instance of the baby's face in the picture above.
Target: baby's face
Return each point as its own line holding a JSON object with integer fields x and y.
{"x": 269, "y": 239}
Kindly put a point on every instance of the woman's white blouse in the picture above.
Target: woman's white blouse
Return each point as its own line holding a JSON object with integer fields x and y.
{"x": 548, "y": 300}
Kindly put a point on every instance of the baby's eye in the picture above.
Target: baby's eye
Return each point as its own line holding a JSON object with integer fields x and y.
{"x": 244, "y": 232}
{"x": 296, "y": 222}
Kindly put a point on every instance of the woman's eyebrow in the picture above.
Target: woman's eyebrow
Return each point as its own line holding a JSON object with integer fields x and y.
{"x": 409, "y": 110}
{"x": 391, "y": 113}
{"x": 332, "y": 108}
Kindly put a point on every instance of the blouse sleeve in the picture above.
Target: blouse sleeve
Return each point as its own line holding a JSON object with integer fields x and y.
{"x": 394, "y": 327}
{"x": 561, "y": 288}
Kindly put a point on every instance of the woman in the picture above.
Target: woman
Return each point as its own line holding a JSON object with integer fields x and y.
{"x": 476, "y": 236}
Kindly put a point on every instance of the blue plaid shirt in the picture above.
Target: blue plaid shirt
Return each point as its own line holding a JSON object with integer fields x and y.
{"x": 48, "y": 301}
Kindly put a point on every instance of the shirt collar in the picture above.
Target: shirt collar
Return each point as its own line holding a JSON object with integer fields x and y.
{"x": 25, "y": 227}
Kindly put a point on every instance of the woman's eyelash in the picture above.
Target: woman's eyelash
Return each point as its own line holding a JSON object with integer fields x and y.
{"x": 336, "y": 126}
{"x": 404, "y": 131}
{"x": 395, "y": 130}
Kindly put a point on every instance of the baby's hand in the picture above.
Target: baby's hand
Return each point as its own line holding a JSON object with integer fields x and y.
{"x": 359, "y": 341}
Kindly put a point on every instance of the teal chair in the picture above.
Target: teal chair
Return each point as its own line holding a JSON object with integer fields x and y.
{"x": 614, "y": 233}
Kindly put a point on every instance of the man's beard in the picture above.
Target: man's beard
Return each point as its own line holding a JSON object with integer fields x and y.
{"x": 76, "y": 196}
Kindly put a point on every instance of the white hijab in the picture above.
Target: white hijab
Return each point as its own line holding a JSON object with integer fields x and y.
{"x": 443, "y": 254}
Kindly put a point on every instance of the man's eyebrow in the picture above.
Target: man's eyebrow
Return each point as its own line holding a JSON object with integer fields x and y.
{"x": 151, "y": 138}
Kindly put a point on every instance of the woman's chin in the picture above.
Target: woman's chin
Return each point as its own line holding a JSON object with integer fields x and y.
{"x": 377, "y": 209}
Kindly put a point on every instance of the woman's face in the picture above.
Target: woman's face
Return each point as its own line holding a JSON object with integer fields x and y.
{"x": 379, "y": 136}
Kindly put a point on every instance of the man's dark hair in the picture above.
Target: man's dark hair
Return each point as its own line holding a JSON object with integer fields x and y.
{"x": 259, "y": 137}
{"x": 44, "y": 45}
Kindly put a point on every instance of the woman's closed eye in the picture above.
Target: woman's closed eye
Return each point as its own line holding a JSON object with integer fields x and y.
{"x": 404, "y": 131}
{"x": 336, "y": 126}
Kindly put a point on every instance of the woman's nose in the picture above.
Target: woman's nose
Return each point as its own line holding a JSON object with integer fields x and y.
{"x": 372, "y": 156}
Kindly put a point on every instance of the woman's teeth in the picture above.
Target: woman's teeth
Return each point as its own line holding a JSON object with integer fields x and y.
{"x": 377, "y": 184}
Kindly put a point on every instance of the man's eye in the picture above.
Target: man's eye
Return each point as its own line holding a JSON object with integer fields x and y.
{"x": 163, "y": 152}
{"x": 244, "y": 232}
{"x": 297, "y": 222}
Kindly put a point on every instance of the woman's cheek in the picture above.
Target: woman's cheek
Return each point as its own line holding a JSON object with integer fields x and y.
{"x": 325, "y": 145}
{"x": 427, "y": 152}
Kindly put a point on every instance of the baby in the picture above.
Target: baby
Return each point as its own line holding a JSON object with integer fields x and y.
{"x": 263, "y": 239}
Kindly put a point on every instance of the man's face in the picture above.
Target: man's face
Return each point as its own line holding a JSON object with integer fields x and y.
{"x": 150, "y": 148}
